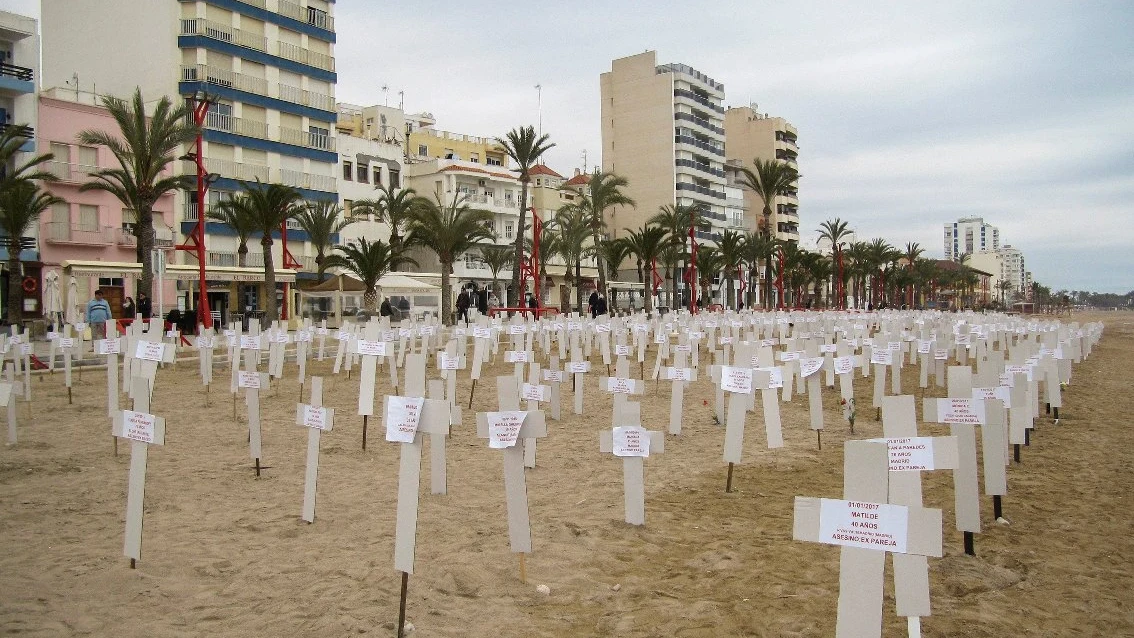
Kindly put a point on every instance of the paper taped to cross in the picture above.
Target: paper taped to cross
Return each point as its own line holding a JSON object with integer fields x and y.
{"x": 504, "y": 428}
{"x": 867, "y": 525}
{"x": 631, "y": 441}
{"x": 403, "y": 414}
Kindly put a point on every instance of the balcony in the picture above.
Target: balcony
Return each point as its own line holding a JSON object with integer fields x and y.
{"x": 68, "y": 233}
{"x": 310, "y": 15}
{"x": 785, "y": 155}
{"x": 235, "y": 170}
{"x": 296, "y": 137}
{"x": 705, "y": 146}
{"x": 703, "y": 190}
{"x": 250, "y": 128}
{"x": 27, "y": 131}
{"x": 253, "y": 259}
{"x": 691, "y": 72}
{"x": 699, "y": 166}
{"x": 163, "y": 237}
{"x": 299, "y": 179}
{"x": 15, "y": 79}
{"x": 702, "y": 122}
{"x": 690, "y": 95}
{"x": 258, "y": 86}
{"x": 68, "y": 172}
{"x": 256, "y": 42}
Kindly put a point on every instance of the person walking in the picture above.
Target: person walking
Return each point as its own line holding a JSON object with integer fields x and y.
{"x": 464, "y": 300}
{"x": 145, "y": 306}
{"x": 592, "y": 303}
{"x": 600, "y": 305}
{"x": 129, "y": 311}
{"x": 98, "y": 313}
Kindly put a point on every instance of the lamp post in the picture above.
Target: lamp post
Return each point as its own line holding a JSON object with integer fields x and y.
{"x": 780, "y": 281}
{"x": 195, "y": 243}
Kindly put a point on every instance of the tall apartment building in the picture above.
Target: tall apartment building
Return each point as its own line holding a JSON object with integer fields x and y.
{"x": 268, "y": 63}
{"x": 969, "y": 235}
{"x": 1005, "y": 264}
{"x": 663, "y": 130}
{"x": 754, "y": 135}
{"x": 19, "y": 77}
{"x": 371, "y": 149}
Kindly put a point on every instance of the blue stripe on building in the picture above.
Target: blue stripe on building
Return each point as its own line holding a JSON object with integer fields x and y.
{"x": 193, "y": 41}
{"x": 227, "y": 184}
{"x": 216, "y": 90}
{"x": 224, "y": 230}
{"x": 233, "y": 139}
{"x": 275, "y": 18}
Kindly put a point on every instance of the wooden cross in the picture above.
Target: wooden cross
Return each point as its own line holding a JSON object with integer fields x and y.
{"x": 621, "y": 386}
{"x": 534, "y": 394}
{"x": 503, "y": 430}
{"x": 9, "y": 391}
{"x": 739, "y": 381}
{"x": 867, "y": 527}
{"x": 316, "y": 419}
{"x": 369, "y": 347}
{"x": 633, "y": 444}
{"x": 578, "y": 366}
{"x": 554, "y": 376}
{"x": 142, "y": 430}
{"x": 148, "y": 352}
{"x": 678, "y": 375}
{"x": 809, "y": 367}
{"x": 769, "y": 399}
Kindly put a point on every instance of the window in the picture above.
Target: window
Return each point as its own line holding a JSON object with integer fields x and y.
{"x": 88, "y": 217}
{"x": 363, "y": 173}
{"x": 348, "y": 171}
{"x": 474, "y": 158}
{"x": 320, "y": 137}
{"x": 422, "y": 149}
{"x": 129, "y": 218}
{"x": 509, "y": 229}
{"x": 492, "y": 161}
{"x": 317, "y": 17}
{"x": 61, "y": 213}
{"x": 219, "y": 116}
{"x": 88, "y": 156}
{"x": 395, "y": 178}
{"x": 348, "y": 207}
{"x": 538, "y": 181}
{"x": 377, "y": 175}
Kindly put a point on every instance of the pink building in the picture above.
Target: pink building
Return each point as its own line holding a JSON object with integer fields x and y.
{"x": 91, "y": 225}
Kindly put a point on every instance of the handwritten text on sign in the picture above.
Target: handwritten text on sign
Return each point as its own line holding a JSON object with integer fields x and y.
{"x": 108, "y": 346}
{"x": 631, "y": 441}
{"x": 619, "y": 385}
{"x": 138, "y": 426}
{"x": 809, "y": 366}
{"x": 578, "y": 367}
{"x": 1002, "y": 392}
{"x": 248, "y": 379}
{"x": 775, "y": 377}
{"x": 914, "y": 454}
{"x": 960, "y": 411}
{"x": 149, "y": 351}
{"x": 402, "y": 417}
{"x": 371, "y": 348}
{"x": 555, "y": 376}
{"x": 517, "y": 356}
{"x": 622, "y": 351}
{"x": 314, "y": 417}
{"x": 677, "y": 374}
{"x": 736, "y": 379}
{"x": 504, "y": 428}
{"x": 882, "y": 357}
{"x": 248, "y": 342}
{"x": 867, "y": 525}
{"x": 844, "y": 365}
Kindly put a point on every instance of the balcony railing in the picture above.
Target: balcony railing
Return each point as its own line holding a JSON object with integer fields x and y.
{"x": 704, "y": 190}
{"x": 16, "y": 71}
{"x": 68, "y": 233}
{"x": 310, "y": 15}
{"x": 299, "y": 179}
{"x": 691, "y": 72}
{"x": 321, "y": 141}
{"x": 26, "y": 131}
{"x": 68, "y": 172}
{"x": 235, "y": 170}
{"x": 699, "y": 121}
{"x": 704, "y": 168}
{"x": 705, "y": 146}
{"x": 232, "y": 35}
{"x": 253, "y": 259}
{"x": 698, "y": 99}
{"x": 163, "y": 237}
{"x": 258, "y": 86}
{"x": 251, "y": 128}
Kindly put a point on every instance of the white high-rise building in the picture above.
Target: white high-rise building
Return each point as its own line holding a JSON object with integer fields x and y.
{"x": 969, "y": 235}
{"x": 270, "y": 66}
{"x": 1005, "y": 264}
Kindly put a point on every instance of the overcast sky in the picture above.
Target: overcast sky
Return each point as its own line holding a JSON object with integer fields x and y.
{"x": 909, "y": 115}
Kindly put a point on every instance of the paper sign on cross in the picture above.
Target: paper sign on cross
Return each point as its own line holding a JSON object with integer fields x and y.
{"x": 142, "y": 430}
{"x": 633, "y": 444}
{"x": 317, "y": 419}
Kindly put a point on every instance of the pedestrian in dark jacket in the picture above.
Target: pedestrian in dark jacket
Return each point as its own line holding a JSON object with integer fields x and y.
{"x": 592, "y": 303}
{"x": 145, "y": 306}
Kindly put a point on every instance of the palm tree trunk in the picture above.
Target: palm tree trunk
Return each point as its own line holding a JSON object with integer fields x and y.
{"x": 272, "y": 308}
{"x": 599, "y": 262}
{"x": 145, "y": 231}
{"x": 578, "y": 286}
{"x": 446, "y": 293}
{"x": 730, "y": 302}
{"x": 242, "y": 255}
{"x": 15, "y": 292}
{"x": 319, "y": 257}
{"x": 513, "y": 296}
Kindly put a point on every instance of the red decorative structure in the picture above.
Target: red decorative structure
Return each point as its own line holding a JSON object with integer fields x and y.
{"x": 195, "y": 243}
{"x": 289, "y": 262}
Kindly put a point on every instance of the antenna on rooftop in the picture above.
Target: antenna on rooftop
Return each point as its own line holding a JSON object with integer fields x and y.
{"x": 385, "y": 91}
{"x": 584, "y": 160}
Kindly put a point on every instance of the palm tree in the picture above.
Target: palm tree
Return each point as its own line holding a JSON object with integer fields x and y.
{"x": 646, "y": 245}
{"x": 225, "y": 212}
{"x": 322, "y": 221}
{"x": 21, "y": 204}
{"x": 144, "y": 152}
{"x": 574, "y": 231}
{"x": 496, "y": 258}
{"x": 524, "y": 148}
{"x": 677, "y": 219}
{"x": 730, "y": 244}
{"x": 757, "y": 247}
{"x": 771, "y": 179}
{"x": 449, "y": 230}
{"x": 11, "y": 139}
{"x": 708, "y": 263}
{"x": 548, "y": 249}
{"x": 603, "y": 191}
{"x": 267, "y": 207}
{"x": 394, "y": 208}
{"x": 369, "y": 261}
{"x": 911, "y": 255}
{"x": 835, "y": 231}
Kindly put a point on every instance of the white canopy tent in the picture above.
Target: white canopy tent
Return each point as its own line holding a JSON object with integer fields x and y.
{"x": 342, "y": 296}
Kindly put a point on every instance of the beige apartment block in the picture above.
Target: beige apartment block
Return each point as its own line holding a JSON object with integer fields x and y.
{"x": 663, "y": 130}
{"x": 754, "y": 135}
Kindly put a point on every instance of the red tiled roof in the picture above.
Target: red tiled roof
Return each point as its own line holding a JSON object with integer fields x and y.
{"x": 540, "y": 169}
{"x": 579, "y": 180}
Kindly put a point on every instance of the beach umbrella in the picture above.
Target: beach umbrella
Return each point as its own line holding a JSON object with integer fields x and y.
{"x": 52, "y": 301}
{"x": 74, "y": 315}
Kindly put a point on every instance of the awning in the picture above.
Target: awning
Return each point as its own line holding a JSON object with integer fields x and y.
{"x": 398, "y": 284}
{"x": 178, "y": 272}
{"x": 624, "y": 285}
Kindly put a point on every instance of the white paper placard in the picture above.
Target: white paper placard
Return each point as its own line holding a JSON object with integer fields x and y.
{"x": 249, "y": 342}
{"x": 555, "y": 376}
{"x": 810, "y": 365}
{"x": 924, "y": 347}
{"x": 683, "y": 347}
{"x": 138, "y": 426}
{"x": 52, "y": 336}
{"x": 81, "y": 326}
{"x": 578, "y": 367}
{"x": 735, "y": 379}
{"x": 621, "y": 351}
{"x": 322, "y": 332}
{"x": 1002, "y": 392}
{"x": 516, "y": 329}
{"x": 789, "y": 356}
{"x": 619, "y": 385}
{"x": 427, "y": 331}
{"x": 205, "y": 342}
{"x": 481, "y": 332}
{"x": 828, "y": 347}
{"x": 372, "y": 348}
{"x": 844, "y": 365}
{"x": 532, "y": 392}
{"x": 602, "y": 327}
{"x": 883, "y": 357}
{"x": 446, "y": 362}
{"x": 314, "y": 417}
{"x": 911, "y": 454}
{"x": 67, "y": 342}
{"x": 894, "y": 346}
{"x": 960, "y": 411}
{"x": 149, "y": 351}
{"x": 108, "y": 346}
{"x": 631, "y": 441}
{"x": 516, "y": 356}
{"x": 342, "y": 335}
{"x": 303, "y": 336}
{"x": 171, "y": 334}
{"x": 245, "y": 379}
{"x": 504, "y": 428}
{"x": 678, "y": 374}
{"x": 25, "y": 348}
{"x": 868, "y": 525}
{"x": 230, "y": 333}
{"x": 403, "y": 414}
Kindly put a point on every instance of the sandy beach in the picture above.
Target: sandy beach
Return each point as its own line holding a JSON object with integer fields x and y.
{"x": 225, "y": 553}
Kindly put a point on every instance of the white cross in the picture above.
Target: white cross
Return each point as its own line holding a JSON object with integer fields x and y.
{"x": 316, "y": 419}
{"x": 143, "y": 430}
{"x": 633, "y": 444}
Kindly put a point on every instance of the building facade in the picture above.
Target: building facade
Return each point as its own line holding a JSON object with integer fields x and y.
{"x": 371, "y": 149}
{"x": 663, "y": 130}
{"x": 267, "y": 65}
{"x": 1006, "y": 264}
{"x": 753, "y": 135}
{"x": 970, "y": 235}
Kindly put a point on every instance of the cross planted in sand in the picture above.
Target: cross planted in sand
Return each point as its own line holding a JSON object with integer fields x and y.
{"x": 142, "y": 429}
{"x": 632, "y": 443}
{"x": 317, "y": 419}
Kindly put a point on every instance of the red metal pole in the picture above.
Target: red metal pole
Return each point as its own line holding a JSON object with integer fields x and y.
{"x": 199, "y": 113}
{"x": 283, "y": 258}
{"x": 693, "y": 267}
{"x": 537, "y": 230}
{"x": 842, "y": 293}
